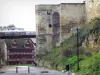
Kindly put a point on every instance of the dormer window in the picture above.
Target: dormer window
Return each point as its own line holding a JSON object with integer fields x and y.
{"x": 27, "y": 44}
{"x": 14, "y": 44}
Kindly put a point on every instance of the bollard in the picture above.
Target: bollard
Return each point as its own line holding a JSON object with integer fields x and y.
{"x": 16, "y": 69}
{"x": 35, "y": 63}
{"x": 67, "y": 67}
{"x": 28, "y": 69}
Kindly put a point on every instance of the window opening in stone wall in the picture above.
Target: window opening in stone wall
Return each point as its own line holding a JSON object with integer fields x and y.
{"x": 50, "y": 25}
{"x": 48, "y": 13}
{"x": 42, "y": 30}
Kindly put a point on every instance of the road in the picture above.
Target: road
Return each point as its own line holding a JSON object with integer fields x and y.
{"x": 23, "y": 70}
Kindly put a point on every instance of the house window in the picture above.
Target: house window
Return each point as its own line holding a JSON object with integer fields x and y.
{"x": 27, "y": 44}
{"x": 14, "y": 44}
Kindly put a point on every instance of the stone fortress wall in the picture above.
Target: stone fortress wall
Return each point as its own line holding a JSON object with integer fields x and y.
{"x": 54, "y": 22}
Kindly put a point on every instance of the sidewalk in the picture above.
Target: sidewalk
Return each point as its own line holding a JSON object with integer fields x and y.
{"x": 34, "y": 70}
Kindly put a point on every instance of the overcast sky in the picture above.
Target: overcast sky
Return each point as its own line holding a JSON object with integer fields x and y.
{"x": 21, "y": 13}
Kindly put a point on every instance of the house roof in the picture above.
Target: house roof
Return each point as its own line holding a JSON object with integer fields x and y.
{"x": 20, "y": 43}
{"x": 17, "y": 34}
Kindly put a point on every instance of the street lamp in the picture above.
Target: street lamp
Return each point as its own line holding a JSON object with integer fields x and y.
{"x": 77, "y": 29}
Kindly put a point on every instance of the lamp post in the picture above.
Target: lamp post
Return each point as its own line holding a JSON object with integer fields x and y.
{"x": 0, "y": 58}
{"x": 77, "y": 49}
{"x": 77, "y": 52}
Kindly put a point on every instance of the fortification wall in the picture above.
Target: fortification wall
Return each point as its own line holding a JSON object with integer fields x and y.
{"x": 54, "y": 22}
{"x": 44, "y": 25}
{"x": 72, "y": 15}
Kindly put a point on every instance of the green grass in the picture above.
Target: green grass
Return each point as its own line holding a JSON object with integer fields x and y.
{"x": 91, "y": 65}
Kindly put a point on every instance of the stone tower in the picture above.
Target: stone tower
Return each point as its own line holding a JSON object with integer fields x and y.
{"x": 47, "y": 26}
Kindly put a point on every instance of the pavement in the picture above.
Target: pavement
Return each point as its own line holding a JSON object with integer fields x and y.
{"x": 23, "y": 70}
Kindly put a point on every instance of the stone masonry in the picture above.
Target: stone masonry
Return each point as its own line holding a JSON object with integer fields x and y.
{"x": 54, "y": 21}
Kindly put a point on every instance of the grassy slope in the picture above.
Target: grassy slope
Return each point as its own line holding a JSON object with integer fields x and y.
{"x": 56, "y": 61}
{"x": 91, "y": 65}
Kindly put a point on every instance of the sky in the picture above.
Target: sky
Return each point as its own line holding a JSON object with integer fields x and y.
{"x": 21, "y": 13}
